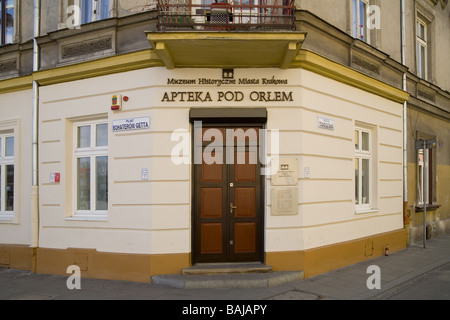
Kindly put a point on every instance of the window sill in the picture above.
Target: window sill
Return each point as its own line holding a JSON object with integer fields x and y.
{"x": 98, "y": 218}
{"x": 6, "y": 217}
{"x": 366, "y": 210}
{"x": 420, "y": 208}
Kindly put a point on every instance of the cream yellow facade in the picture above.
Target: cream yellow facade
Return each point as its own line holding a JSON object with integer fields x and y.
{"x": 152, "y": 217}
{"x": 331, "y": 109}
{"x": 326, "y": 196}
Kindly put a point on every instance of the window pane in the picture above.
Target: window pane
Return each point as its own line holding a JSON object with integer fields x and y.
{"x": 104, "y": 9}
{"x": 84, "y": 184}
{"x": 423, "y": 61}
{"x": 362, "y": 20}
{"x": 420, "y": 177}
{"x": 86, "y": 11}
{"x": 1, "y": 23}
{"x": 9, "y": 26}
{"x": 101, "y": 183}
{"x": 84, "y": 137}
{"x": 9, "y": 188}
{"x": 365, "y": 184}
{"x": 357, "y": 181}
{"x": 1, "y": 189}
{"x": 356, "y": 140}
{"x": 355, "y": 18}
{"x": 365, "y": 141}
{"x": 102, "y": 135}
{"x": 9, "y": 152}
{"x": 421, "y": 31}
{"x": 1, "y": 147}
{"x": 419, "y": 60}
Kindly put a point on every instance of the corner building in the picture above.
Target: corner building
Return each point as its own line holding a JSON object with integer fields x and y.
{"x": 177, "y": 133}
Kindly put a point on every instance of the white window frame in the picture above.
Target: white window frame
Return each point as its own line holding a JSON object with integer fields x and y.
{"x": 421, "y": 183}
{"x": 6, "y": 161}
{"x": 430, "y": 169}
{"x": 361, "y": 154}
{"x": 360, "y": 30}
{"x": 422, "y": 43}
{"x": 91, "y": 152}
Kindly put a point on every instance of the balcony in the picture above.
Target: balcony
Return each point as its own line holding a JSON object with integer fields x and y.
{"x": 233, "y": 34}
{"x": 223, "y": 15}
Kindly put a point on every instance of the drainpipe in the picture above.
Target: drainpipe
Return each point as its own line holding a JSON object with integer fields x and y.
{"x": 35, "y": 123}
{"x": 405, "y": 127}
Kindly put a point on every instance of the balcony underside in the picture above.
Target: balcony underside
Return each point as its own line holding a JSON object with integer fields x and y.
{"x": 226, "y": 49}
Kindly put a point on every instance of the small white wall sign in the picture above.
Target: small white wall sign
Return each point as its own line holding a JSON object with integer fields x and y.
{"x": 325, "y": 123}
{"x": 131, "y": 124}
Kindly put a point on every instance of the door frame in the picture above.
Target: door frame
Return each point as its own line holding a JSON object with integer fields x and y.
{"x": 234, "y": 123}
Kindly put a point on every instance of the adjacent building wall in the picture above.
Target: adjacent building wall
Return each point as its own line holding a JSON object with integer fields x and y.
{"x": 438, "y": 216}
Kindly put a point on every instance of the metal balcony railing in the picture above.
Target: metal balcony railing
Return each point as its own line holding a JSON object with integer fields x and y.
{"x": 226, "y": 15}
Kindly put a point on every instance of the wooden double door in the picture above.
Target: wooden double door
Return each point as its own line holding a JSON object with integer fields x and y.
{"x": 228, "y": 189}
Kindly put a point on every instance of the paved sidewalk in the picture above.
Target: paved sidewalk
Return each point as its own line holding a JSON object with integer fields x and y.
{"x": 344, "y": 284}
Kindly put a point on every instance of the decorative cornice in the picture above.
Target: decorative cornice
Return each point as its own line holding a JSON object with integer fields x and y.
{"x": 16, "y": 84}
{"x": 99, "y": 67}
{"x": 93, "y": 68}
{"x": 313, "y": 62}
{"x": 148, "y": 58}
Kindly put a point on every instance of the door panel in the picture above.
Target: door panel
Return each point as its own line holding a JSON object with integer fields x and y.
{"x": 245, "y": 166}
{"x": 211, "y": 205}
{"x": 212, "y": 173}
{"x": 212, "y": 238}
{"x": 245, "y": 202}
{"x": 245, "y": 237}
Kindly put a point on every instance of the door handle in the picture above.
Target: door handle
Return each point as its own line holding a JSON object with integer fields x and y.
{"x": 232, "y": 207}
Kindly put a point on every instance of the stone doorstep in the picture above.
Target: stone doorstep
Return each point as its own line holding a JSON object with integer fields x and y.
{"x": 226, "y": 268}
{"x": 234, "y": 280}
{"x": 214, "y": 276}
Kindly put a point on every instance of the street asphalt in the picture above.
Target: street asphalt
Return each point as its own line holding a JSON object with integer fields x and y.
{"x": 374, "y": 279}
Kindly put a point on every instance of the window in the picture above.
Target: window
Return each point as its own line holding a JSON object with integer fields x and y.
{"x": 91, "y": 168}
{"x": 6, "y": 21}
{"x": 426, "y": 187}
{"x": 422, "y": 56}
{"x": 359, "y": 19}
{"x": 93, "y": 10}
{"x": 6, "y": 175}
{"x": 420, "y": 177}
{"x": 363, "y": 169}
